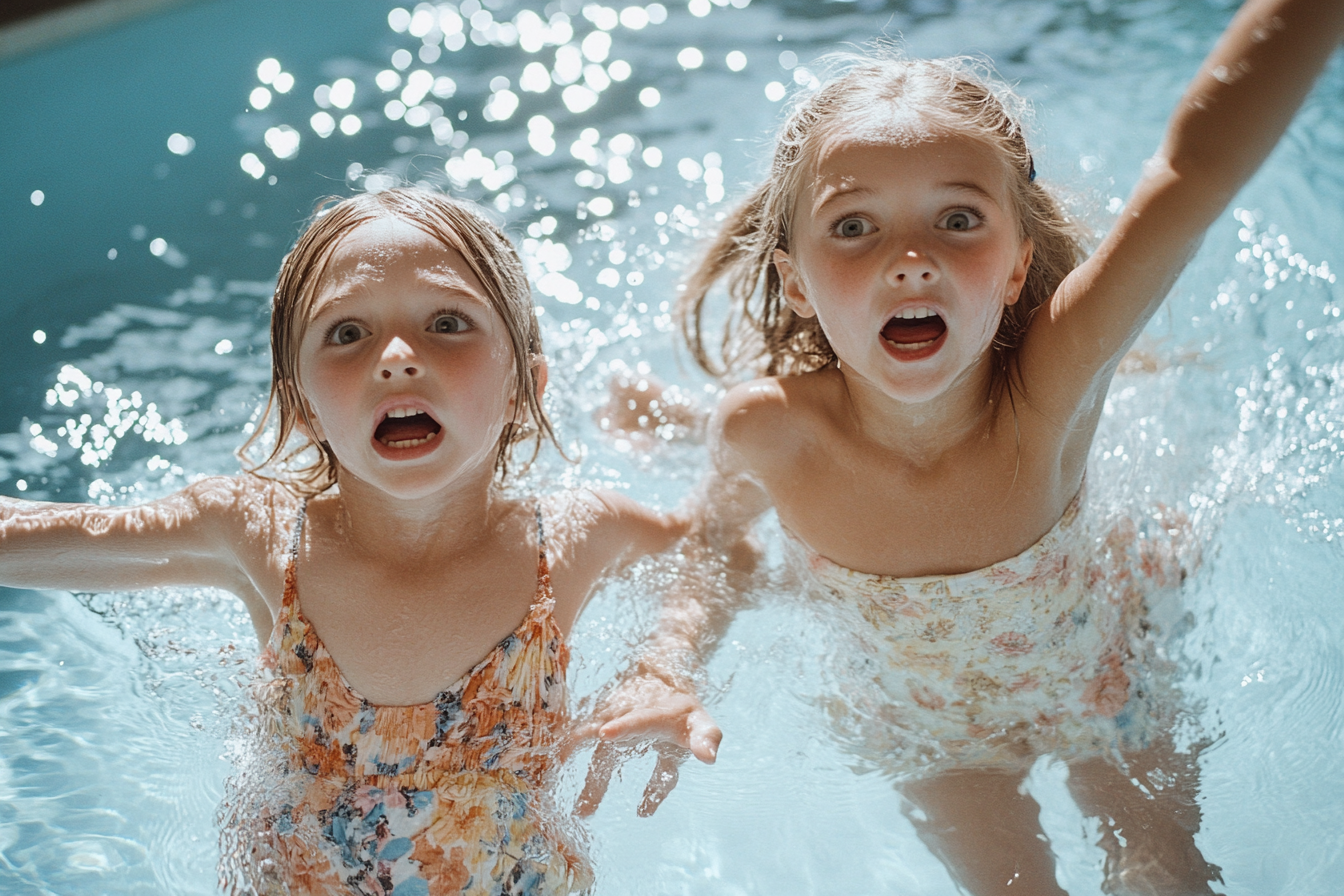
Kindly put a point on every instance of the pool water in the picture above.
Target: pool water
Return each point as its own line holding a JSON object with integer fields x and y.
{"x": 155, "y": 174}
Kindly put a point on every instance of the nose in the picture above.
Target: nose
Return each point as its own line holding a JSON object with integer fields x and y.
{"x": 912, "y": 267}
{"x": 398, "y": 359}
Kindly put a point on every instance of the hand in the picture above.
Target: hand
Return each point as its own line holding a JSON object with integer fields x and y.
{"x": 646, "y": 706}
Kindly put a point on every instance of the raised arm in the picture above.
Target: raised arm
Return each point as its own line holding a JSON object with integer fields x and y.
{"x": 194, "y": 537}
{"x": 1232, "y": 114}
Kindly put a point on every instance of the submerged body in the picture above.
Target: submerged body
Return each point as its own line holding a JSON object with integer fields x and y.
{"x": 1043, "y": 653}
{"x": 444, "y": 796}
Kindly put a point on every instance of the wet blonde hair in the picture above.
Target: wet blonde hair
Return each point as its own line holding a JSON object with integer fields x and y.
{"x": 957, "y": 96}
{"x": 459, "y": 226}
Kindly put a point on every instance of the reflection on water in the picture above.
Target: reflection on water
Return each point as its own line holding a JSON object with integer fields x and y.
{"x": 611, "y": 139}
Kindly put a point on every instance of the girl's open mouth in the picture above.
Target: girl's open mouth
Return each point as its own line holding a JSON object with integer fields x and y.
{"x": 912, "y": 338}
{"x": 406, "y": 428}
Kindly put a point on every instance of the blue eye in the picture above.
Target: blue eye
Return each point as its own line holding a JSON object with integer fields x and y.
{"x": 449, "y": 323}
{"x": 853, "y": 227}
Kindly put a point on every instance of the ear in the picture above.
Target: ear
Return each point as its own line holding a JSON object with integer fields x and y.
{"x": 792, "y": 286}
{"x": 1019, "y": 276}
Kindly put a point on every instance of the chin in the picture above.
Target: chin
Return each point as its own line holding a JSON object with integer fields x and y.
{"x": 914, "y": 387}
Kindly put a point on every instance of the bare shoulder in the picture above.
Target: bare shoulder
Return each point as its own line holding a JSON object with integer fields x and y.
{"x": 765, "y": 421}
{"x": 249, "y": 510}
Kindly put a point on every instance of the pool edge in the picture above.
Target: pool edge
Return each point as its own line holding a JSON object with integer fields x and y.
{"x": 59, "y": 26}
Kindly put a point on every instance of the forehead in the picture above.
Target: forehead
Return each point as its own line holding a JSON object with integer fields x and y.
{"x": 387, "y": 249}
{"x": 899, "y": 149}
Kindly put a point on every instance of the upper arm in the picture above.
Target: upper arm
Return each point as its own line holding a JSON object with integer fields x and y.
{"x": 1076, "y": 340}
{"x": 743, "y": 438}
{"x": 591, "y": 533}
{"x": 188, "y": 538}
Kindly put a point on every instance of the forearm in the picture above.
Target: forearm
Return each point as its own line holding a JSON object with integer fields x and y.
{"x": 719, "y": 559}
{"x": 1249, "y": 88}
{"x": 699, "y": 609}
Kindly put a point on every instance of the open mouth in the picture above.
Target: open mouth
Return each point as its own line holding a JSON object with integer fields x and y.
{"x": 910, "y": 334}
{"x": 406, "y": 428}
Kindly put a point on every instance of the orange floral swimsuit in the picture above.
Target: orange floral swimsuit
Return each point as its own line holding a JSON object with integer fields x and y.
{"x": 1040, "y": 653}
{"x": 445, "y": 797}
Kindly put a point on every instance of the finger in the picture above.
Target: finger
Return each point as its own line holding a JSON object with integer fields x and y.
{"x": 595, "y": 785}
{"x": 582, "y": 732}
{"x": 641, "y": 724}
{"x": 663, "y": 779}
{"x": 705, "y": 736}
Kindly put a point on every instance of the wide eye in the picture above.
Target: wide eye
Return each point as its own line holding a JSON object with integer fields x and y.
{"x": 853, "y": 227}
{"x": 346, "y": 333}
{"x": 449, "y": 323}
{"x": 961, "y": 220}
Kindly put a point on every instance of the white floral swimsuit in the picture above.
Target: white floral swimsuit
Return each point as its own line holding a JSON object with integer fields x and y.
{"x": 1035, "y": 654}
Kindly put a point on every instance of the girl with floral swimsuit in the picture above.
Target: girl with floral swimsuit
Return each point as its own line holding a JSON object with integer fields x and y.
{"x": 413, "y": 614}
{"x": 936, "y": 351}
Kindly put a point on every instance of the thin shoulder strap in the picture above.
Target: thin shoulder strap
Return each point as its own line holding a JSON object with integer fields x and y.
{"x": 291, "y": 594}
{"x": 296, "y": 536}
{"x": 543, "y": 564}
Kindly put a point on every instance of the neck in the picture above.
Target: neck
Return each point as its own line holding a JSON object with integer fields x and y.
{"x": 452, "y": 520}
{"x": 924, "y": 432}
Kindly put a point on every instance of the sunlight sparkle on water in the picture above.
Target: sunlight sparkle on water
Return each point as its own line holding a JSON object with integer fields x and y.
{"x": 283, "y": 140}
{"x": 180, "y": 144}
{"x": 323, "y": 124}
{"x": 342, "y": 93}
{"x": 690, "y": 58}
{"x": 252, "y": 165}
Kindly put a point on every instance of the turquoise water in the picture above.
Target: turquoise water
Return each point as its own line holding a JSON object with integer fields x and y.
{"x": 134, "y": 304}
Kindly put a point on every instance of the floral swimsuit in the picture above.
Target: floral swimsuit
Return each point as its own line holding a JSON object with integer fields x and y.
{"x": 991, "y": 668}
{"x": 445, "y": 797}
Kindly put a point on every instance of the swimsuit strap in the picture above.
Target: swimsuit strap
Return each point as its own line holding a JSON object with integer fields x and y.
{"x": 292, "y": 563}
{"x": 296, "y": 536}
{"x": 544, "y": 594}
{"x": 541, "y": 535}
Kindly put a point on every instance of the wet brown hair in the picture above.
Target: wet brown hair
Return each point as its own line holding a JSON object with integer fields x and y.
{"x": 957, "y": 96}
{"x": 459, "y": 226}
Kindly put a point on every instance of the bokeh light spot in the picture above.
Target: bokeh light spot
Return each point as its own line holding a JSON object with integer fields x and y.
{"x": 690, "y": 58}
{"x": 180, "y": 144}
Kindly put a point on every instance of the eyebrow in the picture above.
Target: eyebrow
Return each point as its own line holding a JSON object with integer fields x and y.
{"x": 333, "y": 297}
{"x": 834, "y": 193}
{"x": 451, "y": 282}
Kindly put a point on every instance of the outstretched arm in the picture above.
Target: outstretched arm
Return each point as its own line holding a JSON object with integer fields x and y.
{"x": 1232, "y": 114}
{"x": 192, "y": 537}
{"x": 658, "y": 698}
